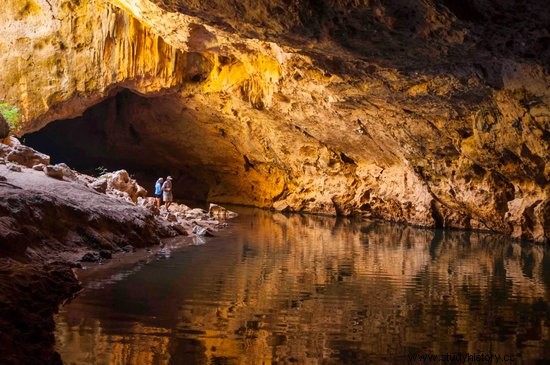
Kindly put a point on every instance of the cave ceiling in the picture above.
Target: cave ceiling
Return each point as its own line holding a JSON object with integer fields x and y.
{"x": 428, "y": 112}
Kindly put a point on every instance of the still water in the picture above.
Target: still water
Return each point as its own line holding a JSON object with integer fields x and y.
{"x": 315, "y": 290}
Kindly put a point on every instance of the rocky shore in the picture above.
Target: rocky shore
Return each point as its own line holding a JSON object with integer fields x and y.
{"x": 51, "y": 219}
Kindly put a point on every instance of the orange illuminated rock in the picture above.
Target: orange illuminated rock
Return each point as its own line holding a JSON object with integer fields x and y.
{"x": 420, "y": 112}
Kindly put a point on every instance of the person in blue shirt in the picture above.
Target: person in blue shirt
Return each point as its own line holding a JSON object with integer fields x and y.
{"x": 158, "y": 191}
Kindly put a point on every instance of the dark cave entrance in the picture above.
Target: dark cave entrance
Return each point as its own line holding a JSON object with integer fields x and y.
{"x": 125, "y": 131}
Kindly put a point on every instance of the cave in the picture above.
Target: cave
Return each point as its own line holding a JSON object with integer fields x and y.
{"x": 335, "y": 117}
{"x": 150, "y": 137}
{"x": 383, "y": 126}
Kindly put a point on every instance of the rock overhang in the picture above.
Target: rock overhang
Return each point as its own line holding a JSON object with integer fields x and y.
{"x": 421, "y": 132}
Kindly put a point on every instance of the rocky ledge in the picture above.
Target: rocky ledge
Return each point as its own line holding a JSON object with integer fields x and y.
{"x": 51, "y": 219}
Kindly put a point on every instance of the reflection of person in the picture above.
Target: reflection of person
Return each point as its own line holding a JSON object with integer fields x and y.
{"x": 167, "y": 192}
{"x": 158, "y": 191}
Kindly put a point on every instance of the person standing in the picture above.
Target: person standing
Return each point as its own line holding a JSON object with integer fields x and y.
{"x": 167, "y": 192}
{"x": 158, "y": 191}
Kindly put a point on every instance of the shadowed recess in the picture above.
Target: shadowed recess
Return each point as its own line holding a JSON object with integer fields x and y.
{"x": 115, "y": 134}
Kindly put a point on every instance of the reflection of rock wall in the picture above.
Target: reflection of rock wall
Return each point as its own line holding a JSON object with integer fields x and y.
{"x": 147, "y": 346}
{"x": 408, "y": 287}
{"x": 355, "y": 107}
{"x": 434, "y": 285}
{"x": 317, "y": 288}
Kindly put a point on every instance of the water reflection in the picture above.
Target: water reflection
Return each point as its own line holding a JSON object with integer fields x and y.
{"x": 307, "y": 289}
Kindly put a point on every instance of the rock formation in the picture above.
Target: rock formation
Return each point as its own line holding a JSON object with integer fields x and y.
{"x": 50, "y": 218}
{"x": 432, "y": 112}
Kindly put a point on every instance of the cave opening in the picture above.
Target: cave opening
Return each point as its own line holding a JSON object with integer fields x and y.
{"x": 142, "y": 135}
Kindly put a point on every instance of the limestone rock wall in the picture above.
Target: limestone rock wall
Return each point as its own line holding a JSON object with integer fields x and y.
{"x": 429, "y": 112}
{"x": 60, "y": 57}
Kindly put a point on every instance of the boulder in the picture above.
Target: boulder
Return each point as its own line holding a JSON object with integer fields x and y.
{"x": 149, "y": 203}
{"x": 26, "y": 156}
{"x": 122, "y": 195}
{"x": 180, "y": 229}
{"x": 99, "y": 185}
{"x": 179, "y": 208}
{"x": 196, "y": 213}
{"x": 218, "y": 211}
{"x": 121, "y": 181}
{"x": 146, "y": 202}
{"x": 39, "y": 167}
{"x": 67, "y": 171}
{"x": 54, "y": 171}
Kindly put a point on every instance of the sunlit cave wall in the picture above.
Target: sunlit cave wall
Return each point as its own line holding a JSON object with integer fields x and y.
{"x": 413, "y": 111}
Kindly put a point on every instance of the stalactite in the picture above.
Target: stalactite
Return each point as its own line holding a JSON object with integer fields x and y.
{"x": 414, "y": 110}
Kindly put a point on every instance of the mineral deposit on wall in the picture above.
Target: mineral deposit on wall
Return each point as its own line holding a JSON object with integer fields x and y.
{"x": 421, "y": 111}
